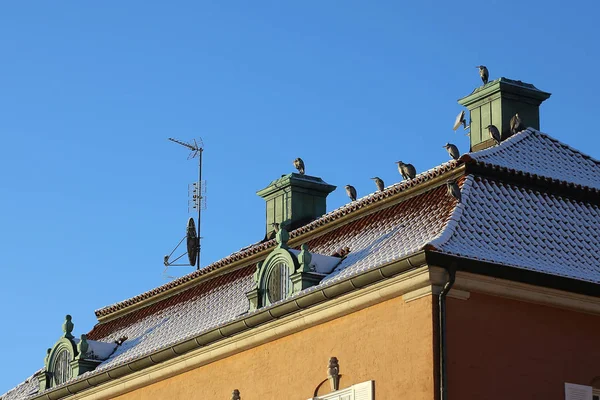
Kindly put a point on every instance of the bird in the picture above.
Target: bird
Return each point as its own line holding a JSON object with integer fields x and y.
{"x": 407, "y": 171}
{"x": 483, "y": 72}
{"x": 235, "y": 395}
{"x": 454, "y": 190}
{"x": 516, "y": 124}
{"x": 452, "y": 150}
{"x": 379, "y": 183}
{"x": 351, "y": 192}
{"x": 460, "y": 120}
{"x": 275, "y": 226}
{"x": 299, "y": 164}
{"x": 494, "y": 133}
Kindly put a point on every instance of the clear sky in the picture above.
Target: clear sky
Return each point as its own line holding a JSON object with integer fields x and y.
{"x": 93, "y": 194}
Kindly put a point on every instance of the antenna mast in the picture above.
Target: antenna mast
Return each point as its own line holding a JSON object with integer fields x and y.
{"x": 198, "y": 187}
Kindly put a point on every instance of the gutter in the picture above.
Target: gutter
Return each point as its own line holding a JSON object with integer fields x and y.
{"x": 245, "y": 323}
{"x": 442, "y": 331}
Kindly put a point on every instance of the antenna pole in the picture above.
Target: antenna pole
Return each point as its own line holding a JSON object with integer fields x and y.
{"x": 199, "y": 203}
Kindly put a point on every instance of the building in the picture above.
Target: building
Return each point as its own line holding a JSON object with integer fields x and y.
{"x": 408, "y": 292}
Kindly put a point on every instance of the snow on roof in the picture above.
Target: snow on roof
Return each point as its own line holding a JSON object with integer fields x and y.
{"x": 523, "y": 228}
{"x": 497, "y": 222}
{"x": 537, "y": 153}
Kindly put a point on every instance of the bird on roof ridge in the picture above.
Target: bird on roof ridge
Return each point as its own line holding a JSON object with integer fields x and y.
{"x": 351, "y": 192}
{"x": 452, "y": 150}
{"x": 299, "y": 165}
{"x": 516, "y": 124}
{"x": 483, "y": 73}
{"x": 379, "y": 183}
{"x": 407, "y": 171}
{"x": 494, "y": 133}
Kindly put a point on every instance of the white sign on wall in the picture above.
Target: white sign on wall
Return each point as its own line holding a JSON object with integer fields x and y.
{"x": 577, "y": 392}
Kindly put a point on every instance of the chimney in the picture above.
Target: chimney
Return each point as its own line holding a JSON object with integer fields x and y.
{"x": 496, "y": 103}
{"x": 294, "y": 200}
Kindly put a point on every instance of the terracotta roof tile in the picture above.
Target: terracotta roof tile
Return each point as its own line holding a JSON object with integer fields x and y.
{"x": 258, "y": 247}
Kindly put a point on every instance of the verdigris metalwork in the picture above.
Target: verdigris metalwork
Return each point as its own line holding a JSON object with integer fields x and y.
{"x": 296, "y": 269}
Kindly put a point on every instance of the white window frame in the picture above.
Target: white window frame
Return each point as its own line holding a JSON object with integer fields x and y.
{"x": 360, "y": 391}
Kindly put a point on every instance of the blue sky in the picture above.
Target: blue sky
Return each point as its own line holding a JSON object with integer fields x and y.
{"x": 93, "y": 194}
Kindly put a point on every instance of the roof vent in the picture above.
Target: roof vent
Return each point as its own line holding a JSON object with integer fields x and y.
{"x": 496, "y": 102}
{"x": 294, "y": 200}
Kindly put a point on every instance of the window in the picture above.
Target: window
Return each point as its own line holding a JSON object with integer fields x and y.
{"x": 360, "y": 391}
{"x": 278, "y": 282}
{"x": 62, "y": 369}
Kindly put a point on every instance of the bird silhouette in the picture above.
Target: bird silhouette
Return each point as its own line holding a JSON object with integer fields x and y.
{"x": 516, "y": 124}
{"x": 379, "y": 183}
{"x": 351, "y": 191}
{"x": 483, "y": 73}
{"x": 407, "y": 171}
{"x": 494, "y": 133}
{"x": 452, "y": 150}
{"x": 454, "y": 190}
{"x": 299, "y": 164}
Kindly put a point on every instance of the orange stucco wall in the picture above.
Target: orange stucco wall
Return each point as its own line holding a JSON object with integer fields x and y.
{"x": 390, "y": 343}
{"x": 507, "y": 349}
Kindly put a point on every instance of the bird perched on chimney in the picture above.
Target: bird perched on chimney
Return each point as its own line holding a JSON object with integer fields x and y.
{"x": 452, "y": 150}
{"x": 379, "y": 183}
{"x": 407, "y": 171}
{"x": 299, "y": 164}
{"x": 494, "y": 133}
{"x": 351, "y": 192}
{"x": 483, "y": 73}
{"x": 516, "y": 124}
{"x": 454, "y": 190}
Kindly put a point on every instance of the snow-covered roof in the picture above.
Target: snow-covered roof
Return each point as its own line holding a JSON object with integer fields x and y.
{"x": 537, "y": 153}
{"x": 498, "y": 221}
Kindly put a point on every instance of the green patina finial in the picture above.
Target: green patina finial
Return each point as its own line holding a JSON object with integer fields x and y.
{"x": 83, "y": 346}
{"x": 304, "y": 258}
{"x": 68, "y": 327}
{"x": 47, "y": 358}
{"x": 282, "y": 238}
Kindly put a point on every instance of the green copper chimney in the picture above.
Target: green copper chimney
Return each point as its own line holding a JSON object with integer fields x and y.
{"x": 496, "y": 103}
{"x": 294, "y": 200}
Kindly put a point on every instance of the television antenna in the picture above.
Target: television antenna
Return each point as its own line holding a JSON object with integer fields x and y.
{"x": 197, "y": 192}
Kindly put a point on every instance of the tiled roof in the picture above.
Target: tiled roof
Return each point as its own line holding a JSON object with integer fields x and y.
{"x": 386, "y": 235}
{"x": 23, "y": 390}
{"x": 374, "y": 240}
{"x": 527, "y": 229}
{"x": 496, "y": 221}
{"x": 258, "y": 247}
{"x": 536, "y": 153}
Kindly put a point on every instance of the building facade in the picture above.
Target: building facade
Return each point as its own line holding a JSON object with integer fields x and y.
{"x": 410, "y": 292}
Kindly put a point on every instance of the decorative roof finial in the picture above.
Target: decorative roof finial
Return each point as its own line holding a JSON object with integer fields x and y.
{"x": 83, "y": 346}
{"x": 333, "y": 374}
{"x": 68, "y": 327}
{"x": 47, "y": 358}
{"x": 304, "y": 258}
{"x": 235, "y": 395}
{"x": 282, "y": 237}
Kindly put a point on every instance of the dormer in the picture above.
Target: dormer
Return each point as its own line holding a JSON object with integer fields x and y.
{"x": 71, "y": 357}
{"x": 286, "y": 272}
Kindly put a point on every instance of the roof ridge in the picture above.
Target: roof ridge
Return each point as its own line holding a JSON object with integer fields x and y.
{"x": 243, "y": 253}
{"x": 453, "y": 220}
{"x": 566, "y": 146}
{"x": 511, "y": 141}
